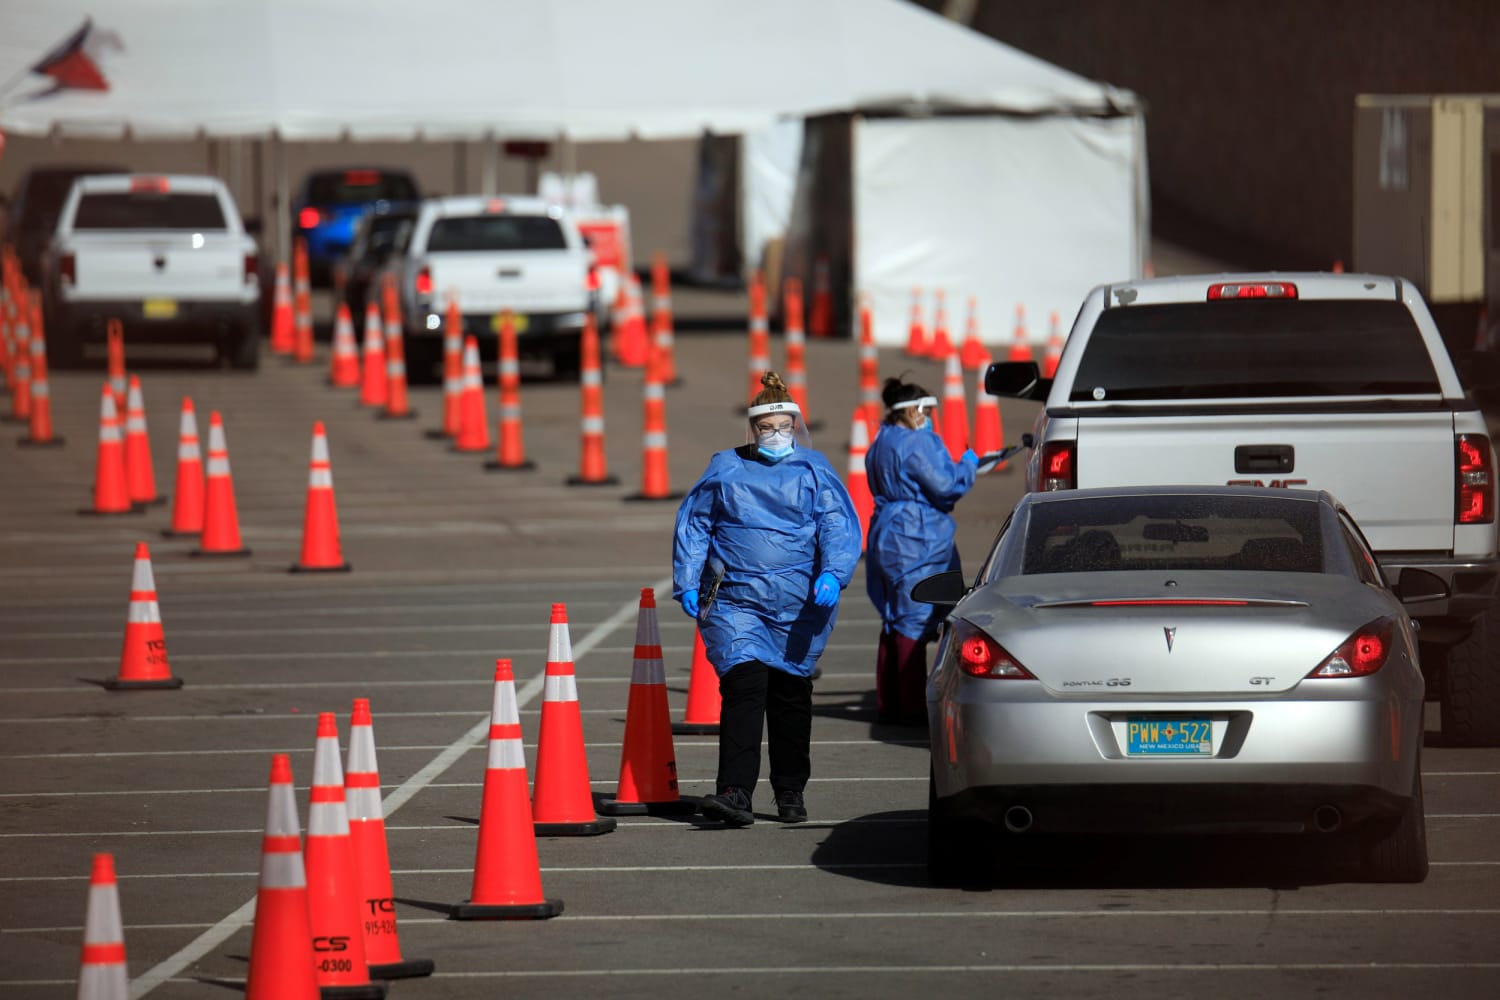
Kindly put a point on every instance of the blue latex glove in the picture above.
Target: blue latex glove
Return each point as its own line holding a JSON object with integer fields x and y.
{"x": 971, "y": 457}
{"x": 826, "y": 590}
{"x": 690, "y": 602}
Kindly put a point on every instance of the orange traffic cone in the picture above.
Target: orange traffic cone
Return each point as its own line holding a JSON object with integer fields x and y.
{"x": 283, "y": 323}
{"x": 1054, "y": 347}
{"x": 140, "y": 474}
{"x": 1020, "y": 348}
{"x": 820, "y": 318}
{"x": 372, "y": 387}
{"x": 916, "y": 335}
{"x": 869, "y": 372}
{"x": 333, "y": 891}
{"x": 857, "y": 481}
{"x": 397, "y": 403}
{"x": 940, "y": 346}
{"x": 633, "y": 345}
{"x": 562, "y": 804}
{"x": 114, "y": 332}
{"x": 343, "y": 365}
{"x": 989, "y": 432}
{"x": 648, "y": 763}
{"x": 283, "y": 965}
{"x": 143, "y": 657}
{"x": 187, "y": 492}
{"x": 320, "y": 519}
{"x": 972, "y": 353}
{"x": 20, "y": 385}
{"x": 102, "y": 974}
{"x": 39, "y": 433}
{"x": 662, "y": 333}
{"x": 372, "y": 860}
{"x": 302, "y": 332}
{"x": 453, "y": 373}
{"x": 474, "y": 429}
{"x": 510, "y": 451}
{"x": 221, "y": 517}
{"x": 703, "y": 703}
{"x": 111, "y": 491}
{"x": 507, "y": 875}
{"x": 796, "y": 348}
{"x": 655, "y": 481}
{"x": 593, "y": 464}
{"x": 760, "y": 336}
{"x": 955, "y": 409}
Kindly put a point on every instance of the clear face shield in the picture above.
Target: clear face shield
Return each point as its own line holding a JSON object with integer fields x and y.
{"x": 921, "y": 409}
{"x": 776, "y": 428}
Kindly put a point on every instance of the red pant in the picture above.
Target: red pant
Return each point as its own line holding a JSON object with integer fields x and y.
{"x": 901, "y": 680}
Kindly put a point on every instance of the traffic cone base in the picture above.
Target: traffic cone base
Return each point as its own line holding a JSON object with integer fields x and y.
{"x": 232, "y": 552}
{"x": 642, "y": 496}
{"x": 604, "y": 824}
{"x": 580, "y": 481}
{"x": 296, "y": 568}
{"x": 495, "y": 466}
{"x": 408, "y": 969}
{"x": 408, "y": 415}
{"x": 135, "y": 508}
{"x": 53, "y": 442}
{"x": 684, "y": 806}
{"x": 466, "y": 910}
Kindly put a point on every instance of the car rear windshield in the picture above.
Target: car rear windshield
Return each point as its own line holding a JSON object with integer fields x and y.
{"x": 350, "y": 187}
{"x": 1254, "y": 348}
{"x": 1109, "y": 534}
{"x": 149, "y": 210}
{"x": 496, "y": 232}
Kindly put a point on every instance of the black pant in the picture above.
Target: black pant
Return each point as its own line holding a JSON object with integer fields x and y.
{"x": 753, "y": 695}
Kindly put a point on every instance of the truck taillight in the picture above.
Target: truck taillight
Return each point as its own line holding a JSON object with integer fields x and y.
{"x": 424, "y": 282}
{"x": 252, "y": 267}
{"x": 67, "y": 268}
{"x": 1475, "y": 487}
{"x": 1059, "y": 469}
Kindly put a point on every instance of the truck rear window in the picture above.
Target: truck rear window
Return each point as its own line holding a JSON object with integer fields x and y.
{"x": 1246, "y": 349}
{"x": 353, "y": 187}
{"x": 139, "y": 210}
{"x": 496, "y": 232}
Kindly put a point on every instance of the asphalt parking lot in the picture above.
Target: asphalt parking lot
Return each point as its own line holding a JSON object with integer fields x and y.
{"x": 453, "y": 567}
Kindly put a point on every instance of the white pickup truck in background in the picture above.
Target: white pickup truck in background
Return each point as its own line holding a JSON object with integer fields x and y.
{"x": 167, "y": 255}
{"x": 1336, "y": 382}
{"x": 513, "y": 254}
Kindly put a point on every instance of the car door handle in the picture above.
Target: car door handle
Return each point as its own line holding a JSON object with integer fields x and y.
{"x": 1264, "y": 458}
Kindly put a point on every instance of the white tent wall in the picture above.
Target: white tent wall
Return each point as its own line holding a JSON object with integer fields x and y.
{"x": 768, "y": 183}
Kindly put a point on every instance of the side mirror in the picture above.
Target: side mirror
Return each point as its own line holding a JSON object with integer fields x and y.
{"x": 1414, "y": 586}
{"x": 943, "y": 589}
{"x": 1016, "y": 379}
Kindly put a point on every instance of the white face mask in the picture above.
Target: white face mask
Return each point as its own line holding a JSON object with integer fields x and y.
{"x": 775, "y": 444}
{"x": 923, "y": 422}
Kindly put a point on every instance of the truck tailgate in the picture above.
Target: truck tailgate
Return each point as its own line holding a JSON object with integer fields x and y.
{"x": 520, "y": 282}
{"x": 1396, "y": 477}
{"x": 144, "y": 265}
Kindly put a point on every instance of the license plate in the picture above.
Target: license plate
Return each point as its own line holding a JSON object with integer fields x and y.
{"x": 518, "y": 320}
{"x": 159, "y": 308}
{"x": 1169, "y": 738}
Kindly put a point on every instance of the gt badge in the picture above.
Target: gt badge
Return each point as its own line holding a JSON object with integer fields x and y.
{"x": 1171, "y": 634}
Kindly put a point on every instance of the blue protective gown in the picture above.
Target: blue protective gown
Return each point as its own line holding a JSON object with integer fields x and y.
{"x": 773, "y": 528}
{"x": 915, "y": 485}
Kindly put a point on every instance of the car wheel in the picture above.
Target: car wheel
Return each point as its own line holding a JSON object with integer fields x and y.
{"x": 1470, "y": 686}
{"x": 951, "y": 857}
{"x": 1395, "y": 850}
{"x": 421, "y": 359}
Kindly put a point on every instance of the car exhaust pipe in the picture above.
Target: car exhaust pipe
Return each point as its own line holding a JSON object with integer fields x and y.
{"x": 1327, "y": 819}
{"x": 1018, "y": 819}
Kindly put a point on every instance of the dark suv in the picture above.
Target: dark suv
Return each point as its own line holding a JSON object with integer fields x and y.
{"x": 34, "y": 208}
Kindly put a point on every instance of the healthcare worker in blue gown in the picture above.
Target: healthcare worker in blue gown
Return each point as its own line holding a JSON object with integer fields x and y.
{"x": 915, "y": 484}
{"x": 765, "y": 542}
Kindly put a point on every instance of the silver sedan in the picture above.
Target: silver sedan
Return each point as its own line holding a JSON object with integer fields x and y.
{"x": 1184, "y": 660}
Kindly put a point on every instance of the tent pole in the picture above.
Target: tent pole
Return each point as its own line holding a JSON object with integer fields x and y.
{"x": 281, "y": 201}
{"x": 489, "y": 165}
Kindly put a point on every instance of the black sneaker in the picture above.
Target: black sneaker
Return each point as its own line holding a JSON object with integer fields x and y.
{"x": 790, "y": 807}
{"x": 732, "y": 805}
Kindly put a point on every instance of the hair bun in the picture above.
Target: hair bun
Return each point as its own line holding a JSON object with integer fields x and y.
{"x": 772, "y": 380}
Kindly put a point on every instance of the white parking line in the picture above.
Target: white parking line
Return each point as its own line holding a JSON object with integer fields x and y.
{"x": 112, "y": 754}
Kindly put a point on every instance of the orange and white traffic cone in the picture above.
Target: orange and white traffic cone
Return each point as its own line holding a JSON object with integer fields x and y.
{"x": 102, "y": 973}
{"x": 143, "y": 657}
{"x": 916, "y": 331}
{"x": 397, "y": 403}
{"x": 283, "y": 322}
{"x": 648, "y": 762}
{"x": 1054, "y": 347}
{"x": 593, "y": 463}
{"x": 820, "y": 317}
{"x": 114, "y": 333}
{"x": 663, "y": 335}
{"x": 796, "y": 348}
{"x": 282, "y": 960}
{"x": 20, "y": 385}
{"x": 955, "y": 409}
{"x": 140, "y": 473}
{"x": 972, "y": 353}
{"x": 320, "y": 520}
{"x": 343, "y": 364}
{"x": 857, "y": 480}
{"x": 39, "y": 432}
{"x": 372, "y": 860}
{"x": 221, "y": 517}
{"x": 1020, "y": 347}
{"x": 940, "y": 346}
{"x": 333, "y": 891}
{"x": 989, "y": 431}
{"x": 453, "y": 373}
{"x": 655, "y": 477}
{"x": 507, "y": 875}
{"x": 372, "y": 386}
{"x": 760, "y": 336}
{"x": 562, "y": 804}
{"x": 510, "y": 450}
{"x": 869, "y": 371}
{"x": 633, "y": 346}
{"x": 704, "y": 702}
{"x": 474, "y": 429}
{"x": 187, "y": 491}
{"x": 302, "y": 328}
{"x": 111, "y": 491}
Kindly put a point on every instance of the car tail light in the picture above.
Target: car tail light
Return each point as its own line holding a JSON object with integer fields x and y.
{"x": 67, "y": 268}
{"x": 1252, "y": 290}
{"x": 424, "y": 281}
{"x": 980, "y": 656}
{"x": 309, "y": 218}
{"x": 361, "y": 178}
{"x": 252, "y": 267}
{"x": 1365, "y": 652}
{"x": 1475, "y": 489}
{"x": 495, "y": 205}
{"x": 1059, "y": 470}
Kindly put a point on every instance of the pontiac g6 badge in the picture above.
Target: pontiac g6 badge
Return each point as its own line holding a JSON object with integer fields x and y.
{"x": 1171, "y": 634}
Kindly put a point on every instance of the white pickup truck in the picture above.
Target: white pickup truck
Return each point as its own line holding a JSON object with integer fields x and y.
{"x": 167, "y": 255}
{"x": 1336, "y": 382}
{"x": 511, "y": 254}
